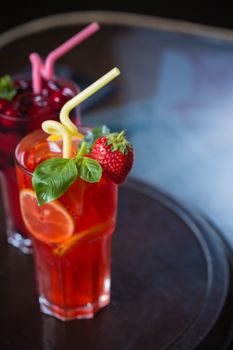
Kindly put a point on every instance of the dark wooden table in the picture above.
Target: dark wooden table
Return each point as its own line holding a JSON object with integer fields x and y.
{"x": 171, "y": 273}
{"x": 171, "y": 286}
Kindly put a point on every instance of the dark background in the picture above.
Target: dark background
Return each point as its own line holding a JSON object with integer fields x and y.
{"x": 205, "y": 12}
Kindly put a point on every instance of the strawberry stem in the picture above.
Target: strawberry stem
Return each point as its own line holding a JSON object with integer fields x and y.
{"x": 119, "y": 136}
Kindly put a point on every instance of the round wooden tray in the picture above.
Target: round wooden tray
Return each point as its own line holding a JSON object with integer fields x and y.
{"x": 170, "y": 286}
{"x": 171, "y": 278}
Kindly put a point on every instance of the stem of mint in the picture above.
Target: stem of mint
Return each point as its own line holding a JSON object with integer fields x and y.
{"x": 83, "y": 149}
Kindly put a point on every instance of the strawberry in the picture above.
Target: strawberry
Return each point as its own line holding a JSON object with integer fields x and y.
{"x": 115, "y": 154}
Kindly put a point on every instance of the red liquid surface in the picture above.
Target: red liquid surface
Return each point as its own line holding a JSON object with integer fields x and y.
{"x": 73, "y": 270}
{"x": 29, "y": 112}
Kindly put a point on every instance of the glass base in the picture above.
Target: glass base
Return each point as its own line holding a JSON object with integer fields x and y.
{"x": 83, "y": 312}
{"x": 18, "y": 241}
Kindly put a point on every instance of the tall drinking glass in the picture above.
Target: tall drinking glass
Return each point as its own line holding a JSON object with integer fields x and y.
{"x": 13, "y": 127}
{"x": 71, "y": 236}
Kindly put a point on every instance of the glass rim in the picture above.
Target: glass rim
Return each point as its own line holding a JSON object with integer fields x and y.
{"x": 17, "y": 161}
{"x": 23, "y": 119}
{"x": 27, "y": 76}
{"x": 28, "y": 136}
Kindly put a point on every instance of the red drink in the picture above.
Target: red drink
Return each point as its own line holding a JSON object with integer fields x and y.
{"x": 18, "y": 117}
{"x": 71, "y": 236}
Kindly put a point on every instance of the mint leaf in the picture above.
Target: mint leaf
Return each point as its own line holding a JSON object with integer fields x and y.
{"x": 90, "y": 170}
{"x": 53, "y": 177}
{"x": 93, "y": 135}
{"x": 88, "y": 140}
{"x": 7, "y": 89}
{"x": 100, "y": 131}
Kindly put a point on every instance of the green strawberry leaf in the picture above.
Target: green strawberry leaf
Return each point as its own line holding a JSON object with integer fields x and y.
{"x": 123, "y": 149}
{"x": 93, "y": 135}
{"x": 118, "y": 142}
{"x": 7, "y": 89}
{"x": 90, "y": 170}
{"x": 53, "y": 177}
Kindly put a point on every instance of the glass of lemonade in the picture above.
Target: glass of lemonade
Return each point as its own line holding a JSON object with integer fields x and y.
{"x": 71, "y": 235}
{"x": 23, "y": 114}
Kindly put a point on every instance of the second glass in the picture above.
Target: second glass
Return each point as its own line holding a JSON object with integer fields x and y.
{"x": 12, "y": 129}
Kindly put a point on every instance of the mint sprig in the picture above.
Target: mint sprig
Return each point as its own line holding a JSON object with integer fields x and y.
{"x": 7, "y": 89}
{"x": 54, "y": 176}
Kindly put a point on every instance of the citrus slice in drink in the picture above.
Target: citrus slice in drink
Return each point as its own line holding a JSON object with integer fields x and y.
{"x": 90, "y": 233}
{"x": 50, "y": 223}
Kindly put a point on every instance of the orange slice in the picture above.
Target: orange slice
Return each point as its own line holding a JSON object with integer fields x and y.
{"x": 50, "y": 223}
{"x": 101, "y": 229}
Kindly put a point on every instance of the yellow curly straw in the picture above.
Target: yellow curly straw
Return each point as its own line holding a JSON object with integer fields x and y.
{"x": 55, "y": 128}
{"x": 83, "y": 95}
{"x": 66, "y": 129}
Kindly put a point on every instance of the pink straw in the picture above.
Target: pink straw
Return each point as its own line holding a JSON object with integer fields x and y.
{"x": 36, "y": 72}
{"x": 48, "y": 69}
